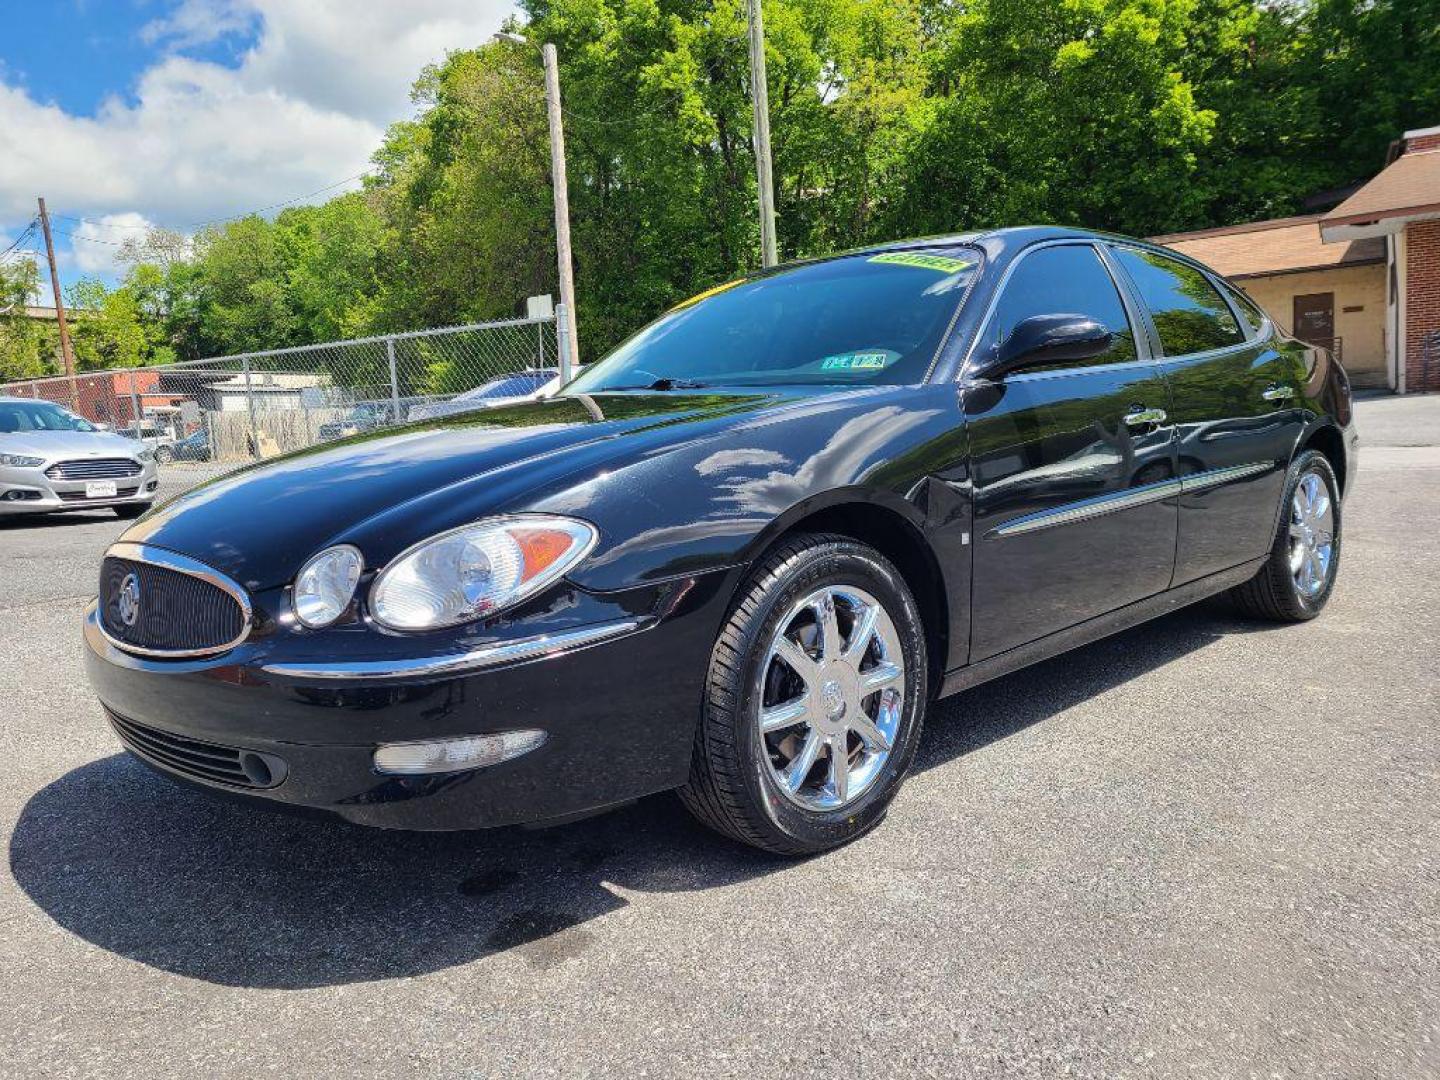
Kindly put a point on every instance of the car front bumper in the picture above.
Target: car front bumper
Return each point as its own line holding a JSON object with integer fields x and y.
{"x": 30, "y": 491}
{"x": 616, "y": 694}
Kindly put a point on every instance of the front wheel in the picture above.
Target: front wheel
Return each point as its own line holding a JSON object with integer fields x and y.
{"x": 1299, "y": 575}
{"x": 814, "y": 702}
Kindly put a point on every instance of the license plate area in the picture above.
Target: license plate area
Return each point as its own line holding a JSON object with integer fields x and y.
{"x": 100, "y": 489}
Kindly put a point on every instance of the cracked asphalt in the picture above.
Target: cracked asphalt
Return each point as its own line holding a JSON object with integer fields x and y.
{"x": 1205, "y": 847}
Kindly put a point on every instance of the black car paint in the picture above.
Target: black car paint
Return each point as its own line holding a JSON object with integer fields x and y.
{"x": 686, "y": 490}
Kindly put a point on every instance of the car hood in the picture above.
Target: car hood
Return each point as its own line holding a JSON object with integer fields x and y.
{"x": 260, "y": 525}
{"x": 63, "y": 445}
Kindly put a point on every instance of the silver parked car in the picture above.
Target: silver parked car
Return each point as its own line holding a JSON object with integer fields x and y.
{"x": 52, "y": 460}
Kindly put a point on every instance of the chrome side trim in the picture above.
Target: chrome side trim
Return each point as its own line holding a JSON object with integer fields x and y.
{"x": 1215, "y": 477}
{"x": 182, "y": 564}
{"x": 541, "y": 647}
{"x": 1124, "y": 500}
{"x": 1085, "y": 509}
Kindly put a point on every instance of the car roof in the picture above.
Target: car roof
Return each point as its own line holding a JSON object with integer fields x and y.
{"x": 999, "y": 241}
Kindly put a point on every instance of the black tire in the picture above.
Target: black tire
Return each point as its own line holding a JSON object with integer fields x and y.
{"x": 1272, "y": 593}
{"x": 130, "y": 511}
{"x": 731, "y": 786}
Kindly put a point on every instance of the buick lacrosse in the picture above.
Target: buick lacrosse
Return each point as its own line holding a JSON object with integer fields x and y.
{"x": 739, "y": 556}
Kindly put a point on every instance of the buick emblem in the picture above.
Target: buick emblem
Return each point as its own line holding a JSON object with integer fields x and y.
{"x": 127, "y": 604}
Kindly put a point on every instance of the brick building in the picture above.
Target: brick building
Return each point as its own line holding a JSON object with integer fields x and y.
{"x": 1362, "y": 279}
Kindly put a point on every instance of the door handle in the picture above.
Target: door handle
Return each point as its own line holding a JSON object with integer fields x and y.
{"x": 1276, "y": 392}
{"x": 1138, "y": 417}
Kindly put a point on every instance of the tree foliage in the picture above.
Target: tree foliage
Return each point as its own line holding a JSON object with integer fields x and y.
{"x": 889, "y": 118}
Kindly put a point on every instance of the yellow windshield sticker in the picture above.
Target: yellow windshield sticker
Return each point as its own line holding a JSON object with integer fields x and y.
{"x": 707, "y": 294}
{"x": 943, "y": 263}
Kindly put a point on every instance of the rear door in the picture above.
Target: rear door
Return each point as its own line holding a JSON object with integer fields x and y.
{"x": 1236, "y": 409}
{"x": 1073, "y": 470}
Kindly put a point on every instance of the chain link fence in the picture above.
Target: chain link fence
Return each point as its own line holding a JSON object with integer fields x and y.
{"x": 206, "y": 418}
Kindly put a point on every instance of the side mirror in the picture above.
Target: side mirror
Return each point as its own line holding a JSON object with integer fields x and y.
{"x": 1048, "y": 339}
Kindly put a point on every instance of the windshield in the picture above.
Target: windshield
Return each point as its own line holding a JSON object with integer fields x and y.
{"x": 855, "y": 320}
{"x": 18, "y": 416}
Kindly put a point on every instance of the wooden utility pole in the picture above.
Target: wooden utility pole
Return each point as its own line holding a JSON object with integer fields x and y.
{"x": 760, "y": 106}
{"x": 570, "y": 356}
{"x": 65, "y": 351}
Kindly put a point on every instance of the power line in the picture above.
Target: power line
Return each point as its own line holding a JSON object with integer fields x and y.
{"x": 212, "y": 221}
{"x": 24, "y": 235}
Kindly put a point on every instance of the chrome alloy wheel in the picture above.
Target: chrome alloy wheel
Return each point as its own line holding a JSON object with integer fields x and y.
{"x": 1312, "y": 535}
{"x": 832, "y": 690}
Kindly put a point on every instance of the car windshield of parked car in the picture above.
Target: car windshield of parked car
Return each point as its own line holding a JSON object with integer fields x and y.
{"x": 18, "y": 416}
{"x": 853, "y": 320}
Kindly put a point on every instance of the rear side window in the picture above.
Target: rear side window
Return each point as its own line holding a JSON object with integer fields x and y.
{"x": 1189, "y": 315}
{"x": 1065, "y": 280}
{"x": 1248, "y": 311}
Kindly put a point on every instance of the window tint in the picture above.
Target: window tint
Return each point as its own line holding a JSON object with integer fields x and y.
{"x": 1189, "y": 314}
{"x": 1067, "y": 280}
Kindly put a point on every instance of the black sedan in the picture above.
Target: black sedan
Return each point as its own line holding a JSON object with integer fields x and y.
{"x": 739, "y": 556}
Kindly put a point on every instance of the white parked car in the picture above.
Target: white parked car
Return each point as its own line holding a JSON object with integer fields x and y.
{"x": 52, "y": 460}
{"x": 509, "y": 389}
{"x": 158, "y": 437}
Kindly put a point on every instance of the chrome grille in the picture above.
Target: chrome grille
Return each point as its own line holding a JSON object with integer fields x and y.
{"x": 94, "y": 469}
{"x": 80, "y": 496}
{"x": 173, "y": 612}
{"x": 200, "y": 760}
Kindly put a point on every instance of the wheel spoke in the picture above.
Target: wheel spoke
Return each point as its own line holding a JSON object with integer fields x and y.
{"x": 798, "y": 661}
{"x": 862, "y": 633}
{"x": 863, "y": 726}
{"x": 881, "y": 677}
{"x": 1320, "y": 508}
{"x": 788, "y": 714}
{"x": 800, "y": 766}
{"x": 840, "y": 767}
{"x": 830, "y": 644}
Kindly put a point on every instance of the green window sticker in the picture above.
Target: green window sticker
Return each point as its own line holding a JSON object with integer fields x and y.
{"x": 943, "y": 263}
{"x": 859, "y": 361}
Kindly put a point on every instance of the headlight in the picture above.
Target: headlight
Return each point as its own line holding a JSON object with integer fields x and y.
{"x": 145, "y": 455}
{"x": 326, "y": 585}
{"x": 475, "y": 571}
{"x": 19, "y": 461}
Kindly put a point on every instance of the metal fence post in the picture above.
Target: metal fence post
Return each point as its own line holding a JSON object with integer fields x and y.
{"x": 562, "y": 341}
{"x": 134, "y": 403}
{"x": 250, "y": 407}
{"x": 394, "y": 381}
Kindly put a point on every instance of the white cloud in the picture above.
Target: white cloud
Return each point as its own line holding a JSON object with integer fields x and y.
{"x": 97, "y": 241}
{"x": 305, "y": 107}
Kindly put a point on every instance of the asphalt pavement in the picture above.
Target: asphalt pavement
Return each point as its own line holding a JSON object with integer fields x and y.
{"x": 1206, "y": 847}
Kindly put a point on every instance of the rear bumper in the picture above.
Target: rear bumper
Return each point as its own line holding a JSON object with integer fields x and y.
{"x": 618, "y": 711}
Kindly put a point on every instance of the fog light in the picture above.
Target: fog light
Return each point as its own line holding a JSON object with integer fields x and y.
{"x": 455, "y": 755}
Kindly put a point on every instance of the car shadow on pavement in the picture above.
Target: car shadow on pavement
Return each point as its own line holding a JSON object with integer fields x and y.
{"x": 239, "y": 896}
{"x": 52, "y": 521}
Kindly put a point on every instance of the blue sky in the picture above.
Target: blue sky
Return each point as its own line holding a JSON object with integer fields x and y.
{"x": 76, "y": 53}
{"x": 130, "y": 113}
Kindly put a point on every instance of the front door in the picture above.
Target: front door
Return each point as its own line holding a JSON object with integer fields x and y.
{"x": 1075, "y": 510}
{"x": 1315, "y": 319}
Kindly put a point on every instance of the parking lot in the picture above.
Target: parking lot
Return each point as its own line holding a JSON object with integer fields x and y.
{"x": 1205, "y": 847}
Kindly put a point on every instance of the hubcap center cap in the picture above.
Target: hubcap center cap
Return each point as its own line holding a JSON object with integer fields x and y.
{"x": 833, "y": 698}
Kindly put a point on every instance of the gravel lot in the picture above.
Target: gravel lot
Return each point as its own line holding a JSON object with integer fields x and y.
{"x": 1204, "y": 847}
